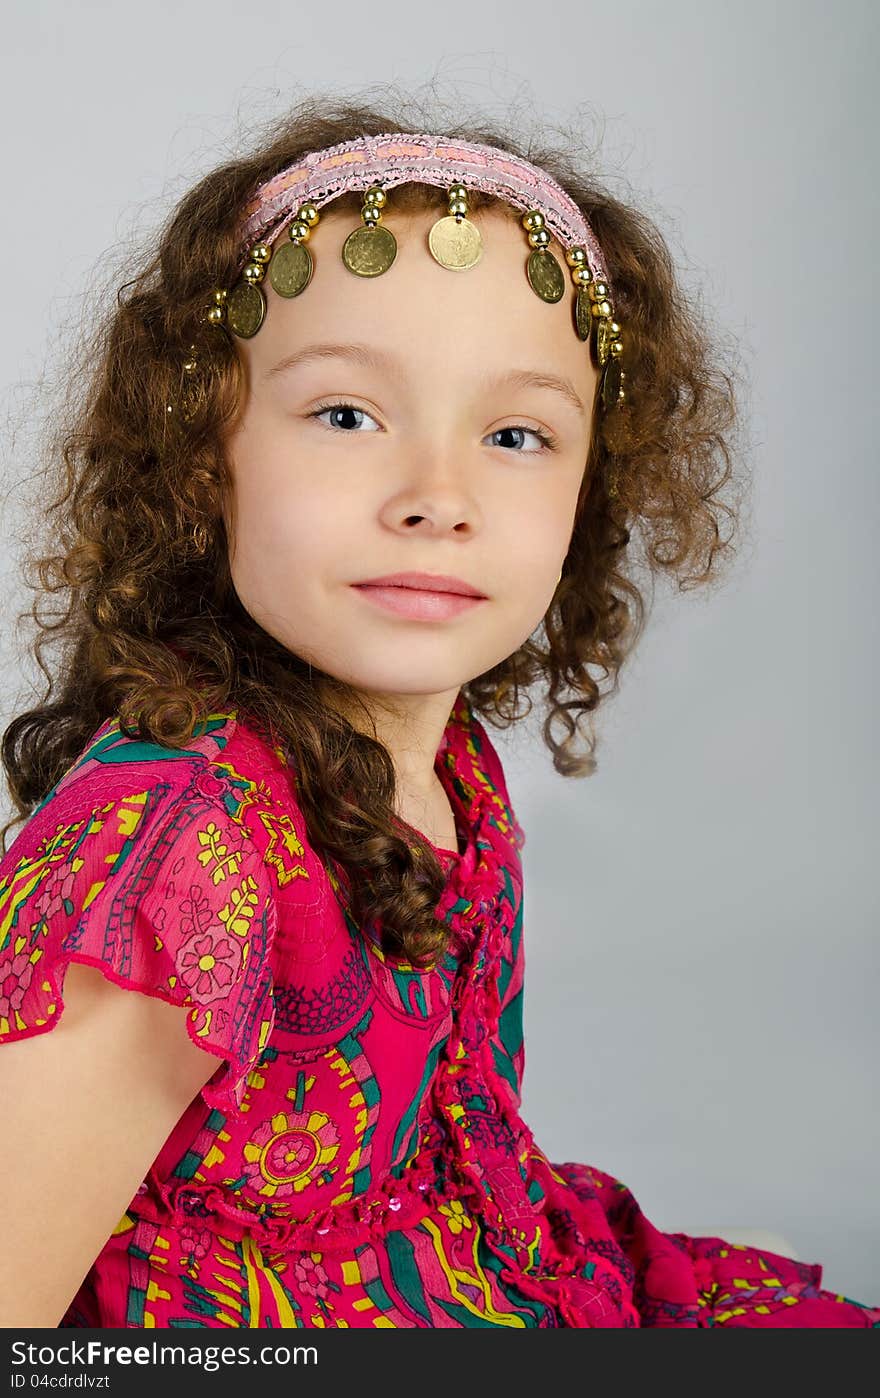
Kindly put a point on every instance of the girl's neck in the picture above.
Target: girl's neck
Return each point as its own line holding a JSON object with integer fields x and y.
{"x": 432, "y": 815}
{"x": 411, "y": 728}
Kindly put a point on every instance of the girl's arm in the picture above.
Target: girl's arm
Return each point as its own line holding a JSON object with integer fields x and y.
{"x": 86, "y": 1109}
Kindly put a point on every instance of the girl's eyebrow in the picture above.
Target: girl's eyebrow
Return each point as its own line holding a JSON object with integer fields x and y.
{"x": 371, "y": 357}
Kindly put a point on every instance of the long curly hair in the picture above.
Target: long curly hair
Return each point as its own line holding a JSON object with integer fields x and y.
{"x": 150, "y": 628}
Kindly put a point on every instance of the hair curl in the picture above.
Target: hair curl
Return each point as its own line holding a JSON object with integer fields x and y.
{"x": 153, "y": 631}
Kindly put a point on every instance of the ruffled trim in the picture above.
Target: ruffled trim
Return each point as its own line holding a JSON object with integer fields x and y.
{"x": 476, "y": 877}
{"x": 473, "y": 885}
{"x": 491, "y": 1179}
{"x": 494, "y": 1179}
{"x": 398, "y": 1203}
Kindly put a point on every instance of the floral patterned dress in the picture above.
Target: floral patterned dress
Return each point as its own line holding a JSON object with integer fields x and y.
{"x": 358, "y": 1158}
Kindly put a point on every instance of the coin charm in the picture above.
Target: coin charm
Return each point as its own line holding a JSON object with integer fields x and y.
{"x": 583, "y": 317}
{"x": 290, "y": 270}
{"x": 370, "y": 250}
{"x": 611, "y": 382}
{"x": 245, "y": 309}
{"x": 455, "y": 243}
{"x": 603, "y": 339}
{"x": 545, "y": 275}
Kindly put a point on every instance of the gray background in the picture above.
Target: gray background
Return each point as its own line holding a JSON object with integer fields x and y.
{"x": 701, "y": 914}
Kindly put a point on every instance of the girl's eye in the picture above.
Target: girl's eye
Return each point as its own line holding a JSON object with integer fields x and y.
{"x": 548, "y": 442}
{"x": 340, "y": 408}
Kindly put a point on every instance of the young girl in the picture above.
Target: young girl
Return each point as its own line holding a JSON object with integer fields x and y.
{"x": 264, "y": 794}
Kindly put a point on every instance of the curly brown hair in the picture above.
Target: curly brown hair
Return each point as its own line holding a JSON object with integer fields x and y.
{"x": 153, "y": 632}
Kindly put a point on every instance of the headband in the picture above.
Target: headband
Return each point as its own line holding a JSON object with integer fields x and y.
{"x": 293, "y": 198}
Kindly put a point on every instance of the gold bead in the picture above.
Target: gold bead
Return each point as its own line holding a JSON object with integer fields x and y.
{"x": 254, "y": 272}
{"x": 371, "y": 214}
{"x": 299, "y": 230}
{"x": 308, "y": 213}
{"x": 616, "y": 347}
{"x": 539, "y": 238}
{"x": 457, "y": 191}
{"x": 375, "y": 196}
{"x": 261, "y": 253}
{"x": 601, "y": 289}
{"x": 614, "y": 327}
{"x": 458, "y": 206}
{"x": 533, "y": 220}
{"x": 219, "y": 296}
{"x": 576, "y": 257}
{"x": 601, "y": 308}
{"x": 216, "y": 315}
{"x": 581, "y": 276}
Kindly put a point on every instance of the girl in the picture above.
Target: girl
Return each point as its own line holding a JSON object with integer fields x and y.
{"x": 264, "y": 794}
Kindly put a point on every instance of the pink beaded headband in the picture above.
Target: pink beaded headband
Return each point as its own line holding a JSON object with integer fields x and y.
{"x": 374, "y": 164}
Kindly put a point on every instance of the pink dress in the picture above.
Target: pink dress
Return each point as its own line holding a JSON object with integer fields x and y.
{"x": 359, "y": 1158}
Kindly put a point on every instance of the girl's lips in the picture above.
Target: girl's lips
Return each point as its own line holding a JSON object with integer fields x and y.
{"x": 417, "y": 604}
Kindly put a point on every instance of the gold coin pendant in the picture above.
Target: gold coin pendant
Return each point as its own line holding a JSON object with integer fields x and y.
{"x": 545, "y": 274}
{"x": 611, "y": 382}
{"x": 369, "y": 251}
{"x": 290, "y": 270}
{"x": 582, "y": 314}
{"x": 245, "y": 309}
{"x": 455, "y": 243}
{"x": 603, "y": 339}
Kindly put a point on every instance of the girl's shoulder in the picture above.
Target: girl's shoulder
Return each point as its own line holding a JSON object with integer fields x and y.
{"x": 113, "y": 756}
{"x": 228, "y": 775}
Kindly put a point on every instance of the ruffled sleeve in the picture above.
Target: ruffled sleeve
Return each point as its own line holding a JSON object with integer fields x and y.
{"x": 158, "y": 887}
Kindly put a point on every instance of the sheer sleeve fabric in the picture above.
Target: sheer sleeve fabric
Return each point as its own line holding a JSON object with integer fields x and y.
{"x": 161, "y": 890}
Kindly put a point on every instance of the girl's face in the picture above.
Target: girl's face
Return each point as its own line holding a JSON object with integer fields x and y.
{"x": 404, "y": 435}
